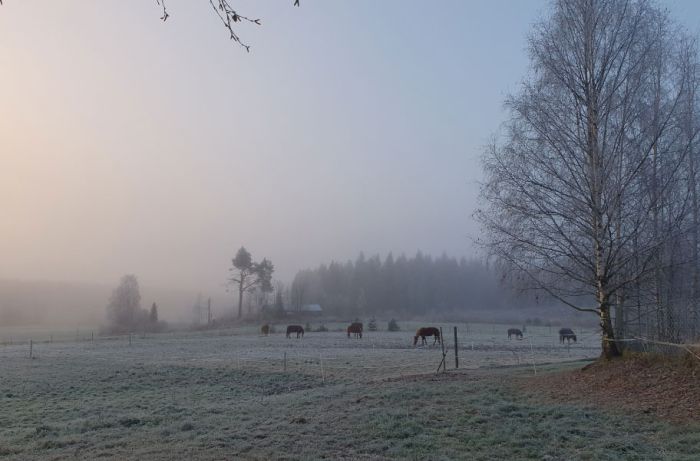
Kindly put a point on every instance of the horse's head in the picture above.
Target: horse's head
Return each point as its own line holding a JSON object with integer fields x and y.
{"x": 415, "y": 340}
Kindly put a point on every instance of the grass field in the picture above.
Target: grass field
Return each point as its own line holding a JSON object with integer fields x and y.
{"x": 226, "y": 395}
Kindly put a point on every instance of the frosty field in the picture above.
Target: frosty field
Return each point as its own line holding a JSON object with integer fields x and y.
{"x": 231, "y": 394}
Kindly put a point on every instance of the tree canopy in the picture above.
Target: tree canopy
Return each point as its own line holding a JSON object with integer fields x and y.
{"x": 247, "y": 275}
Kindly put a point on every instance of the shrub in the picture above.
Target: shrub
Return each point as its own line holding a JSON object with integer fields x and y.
{"x": 393, "y": 326}
{"x": 372, "y": 324}
{"x": 322, "y": 328}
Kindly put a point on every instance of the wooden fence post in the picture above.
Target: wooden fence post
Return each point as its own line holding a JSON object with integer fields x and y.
{"x": 456, "y": 350}
{"x": 323, "y": 375}
{"x": 532, "y": 355}
{"x": 444, "y": 354}
{"x": 31, "y": 352}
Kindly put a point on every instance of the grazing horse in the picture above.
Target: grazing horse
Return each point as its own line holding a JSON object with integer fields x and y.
{"x": 265, "y": 329}
{"x": 427, "y": 331}
{"x": 566, "y": 334}
{"x": 298, "y": 329}
{"x": 355, "y": 327}
{"x": 515, "y": 332}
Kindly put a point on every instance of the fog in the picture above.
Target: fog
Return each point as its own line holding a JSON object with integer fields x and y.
{"x": 129, "y": 145}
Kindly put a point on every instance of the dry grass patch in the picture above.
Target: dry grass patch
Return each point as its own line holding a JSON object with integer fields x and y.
{"x": 667, "y": 388}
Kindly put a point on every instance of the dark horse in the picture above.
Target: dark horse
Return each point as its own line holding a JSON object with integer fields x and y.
{"x": 265, "y": 329}
{"x": 566, "y": 334}
{"x": 298, "y": 329}
{"x": 426, "y": 331}
{"x": 515, "y": 332}
{"x": 355, "y": 327}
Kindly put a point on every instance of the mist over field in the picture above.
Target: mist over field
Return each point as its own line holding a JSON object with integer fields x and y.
{"x": 161, "y": 152}
{"x": 350, "y": 229}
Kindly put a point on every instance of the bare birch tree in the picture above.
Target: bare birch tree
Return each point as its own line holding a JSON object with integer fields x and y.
{"x": 564, "y": 195}
{"x": 230, "y": 18}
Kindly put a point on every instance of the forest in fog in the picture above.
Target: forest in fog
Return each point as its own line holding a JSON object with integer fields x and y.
{"x": 403, "y": 286}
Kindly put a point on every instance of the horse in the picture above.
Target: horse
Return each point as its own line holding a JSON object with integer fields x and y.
{"x": 566, "y": 334}
{"x": 355, "y": 327}
{"x": 298, "y": 329}
{"x": 515, "y": 332}
{"x": 427, "y": 331}
{"x": 265, "y": 329}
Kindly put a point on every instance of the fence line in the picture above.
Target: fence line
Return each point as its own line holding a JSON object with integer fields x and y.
{"x": 653, "y": 341}
{"x": 354, "y": 362}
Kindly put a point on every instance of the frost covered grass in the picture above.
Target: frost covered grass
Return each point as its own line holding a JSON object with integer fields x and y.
{"x": 219, "y": 395}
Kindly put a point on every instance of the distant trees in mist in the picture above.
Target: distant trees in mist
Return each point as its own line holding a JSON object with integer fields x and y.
{"x": 248, "y": 276}
{"x": 407, "y": 286}
{"x": 124, "y": 312}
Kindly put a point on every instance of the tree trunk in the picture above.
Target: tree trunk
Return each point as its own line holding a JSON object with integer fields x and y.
{"x": 695, "y": 285}
{"x": 240, "y": 300}
{"x": 610, "y": 349}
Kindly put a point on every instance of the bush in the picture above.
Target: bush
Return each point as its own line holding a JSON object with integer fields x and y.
{"x": 393, "y": 326}
{"x": 322, "y": 328}
{"x": 372, "y": 324}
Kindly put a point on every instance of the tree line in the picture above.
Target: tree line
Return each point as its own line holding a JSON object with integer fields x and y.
{"x": 401, "y": 286}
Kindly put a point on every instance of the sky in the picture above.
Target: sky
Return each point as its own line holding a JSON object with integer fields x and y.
{"x": 129, "y": 145}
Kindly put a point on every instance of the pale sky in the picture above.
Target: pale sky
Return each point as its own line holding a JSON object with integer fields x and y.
{"x": 128, "y": 145}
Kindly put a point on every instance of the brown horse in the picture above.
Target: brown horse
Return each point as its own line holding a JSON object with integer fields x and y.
{"x": 265, "y": 329}
{"x": 355, "y": 327}
{"x": 515, "y": 332}
{"x": 427, "y": 331}
{"x": 298, "y": 329}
